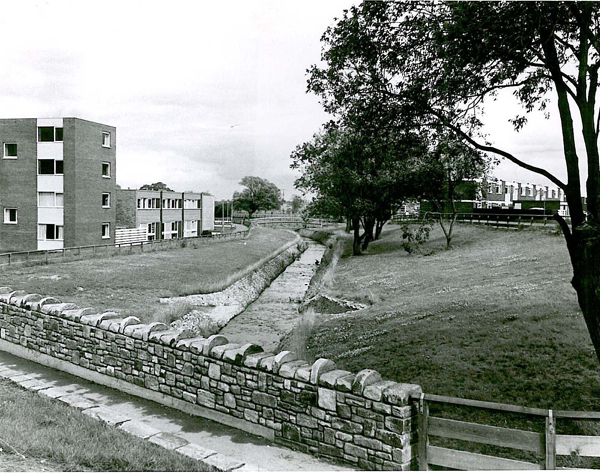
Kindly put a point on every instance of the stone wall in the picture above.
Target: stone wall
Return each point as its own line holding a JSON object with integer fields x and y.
{"x": 359, "y": 418}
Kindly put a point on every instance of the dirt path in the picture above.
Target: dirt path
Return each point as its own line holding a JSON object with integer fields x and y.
{"x": 275, "y": 312}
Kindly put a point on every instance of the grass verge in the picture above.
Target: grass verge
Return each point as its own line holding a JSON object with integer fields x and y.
{"x": 494, "y": 319}
{"x": 133, "y": 284}
{"x": 38, "y": 434}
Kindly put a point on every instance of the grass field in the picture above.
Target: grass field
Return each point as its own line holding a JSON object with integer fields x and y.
{"x": 42, "y": 434}
{"x": 133, "y": 284}
{"x": 493, "y": 319}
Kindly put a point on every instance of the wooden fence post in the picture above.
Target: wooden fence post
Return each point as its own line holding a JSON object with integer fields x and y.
{"x": 550, "y": 442}
{"x": 423, "y": 437}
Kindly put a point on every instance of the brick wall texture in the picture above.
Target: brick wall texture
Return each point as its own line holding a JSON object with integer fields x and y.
{"x": 356, "y": 418}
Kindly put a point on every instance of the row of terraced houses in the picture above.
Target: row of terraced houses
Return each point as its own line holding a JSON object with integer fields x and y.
{"x": 58, "y": 190}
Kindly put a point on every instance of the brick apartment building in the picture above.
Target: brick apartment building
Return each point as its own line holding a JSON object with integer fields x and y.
{"x": 165, "y": 214}
{"x": 525, "y": 196}
{"x": 57, "y": 183}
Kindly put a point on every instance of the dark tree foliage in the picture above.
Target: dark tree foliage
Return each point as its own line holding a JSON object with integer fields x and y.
{"x": 157, "y": 186}
{"x": 259, "y": 194}
{"x": 437, "y": 62}
{"x": 361, "y": 176}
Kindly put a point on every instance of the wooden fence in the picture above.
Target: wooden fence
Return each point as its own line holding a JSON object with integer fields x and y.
{"x": 91, "y": 251}
{"x": 126, "y": 236}
{"x": 546, "y": 445}
{"x": 496, "y": 220}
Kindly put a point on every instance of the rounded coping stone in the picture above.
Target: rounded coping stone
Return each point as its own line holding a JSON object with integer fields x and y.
{"x": 400, "y": 393}
{"x": 15, "y": 295}
{"x": 95, "y": 319}
{"x": 329, "y": 379}
{"x": 218, "y": 351}
{"x": 145, "y": 332}
{"x": 187, "y": 342}
{"x": 157, "y": 335}
{"x": 76, "y": 314}
{"x": 43, "y": 301}
{"x": 171, "y": 337}
{"x": 132, "y": 328}
{"x": 131, "y": 320}
{"x": 238, "y": 355}
{"x": 213, "y": 341}
{"x": 363, "y": 379}
{"x": 253, "y": 361}
{"x": 56, "y": 309}
{"x": 22, "y": 300}
{"x": 281, "y": 358}
{"x": 322, "y": 365}
{"x": 375, "y": 390}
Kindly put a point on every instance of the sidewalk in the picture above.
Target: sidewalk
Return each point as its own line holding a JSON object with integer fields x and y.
{"x": 220, "y": 447}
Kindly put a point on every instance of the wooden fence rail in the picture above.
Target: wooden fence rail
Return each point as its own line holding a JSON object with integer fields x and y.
{"x": 546, "y": 445}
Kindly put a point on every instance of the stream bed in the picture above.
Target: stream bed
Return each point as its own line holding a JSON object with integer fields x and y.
{"x": 275, "y": 312}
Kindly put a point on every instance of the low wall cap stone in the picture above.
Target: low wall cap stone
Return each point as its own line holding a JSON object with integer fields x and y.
{"x": 157, "y": 335}
{"x": 281, "y": 358}
{"x": 400, "y": 393}
{"x": 237, "y": 355}
{"x": 322, "y": 365}
{"x": 303, "y": 372}
{"x": 172, "y": 337}
{"x": 344, "y": 383}
{"x": 13, "y": 296}
{"x": 128, "y": 321}
{"x": 43, "y": 301}
{"x": 288, "y": 370}
{"x": 20, "y": 300}
{"x": 187, "y": 342}
{"x": 144, "y": 332}
{"x": 57, "y": 309}
{"x": 76, "y": 314}
{"x": 253, "y": 361}
{"x": 363, "y": 379}
{"x": 213, "y": 341}
{"x": 132, "y": 328}
{"x": 375, "y": 390}
{"x": 329, "y": 379}
{"x": 218, "y": 351}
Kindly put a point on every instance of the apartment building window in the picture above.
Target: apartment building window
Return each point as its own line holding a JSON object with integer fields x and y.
{"x": 50, "y": 166}
{"x": 49, "y": 231}
{"x": 105, "y": 169}
{"x": 105, "y": 231}
{"x": 105, "y": 139}
{"x": 10, "y": 216}
{"x": 151, "y": 233}
{"x": 10, "y": 151}
{"x": 106, "y": 200}
{"x": 50, "y": 133}
{"x": 50, "y": 199}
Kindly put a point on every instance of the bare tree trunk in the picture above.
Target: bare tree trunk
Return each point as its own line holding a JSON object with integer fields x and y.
{"x": 378, "y": 228}
{"x": 357, "y": 238}
{"x": 369, "y": 223}
{"x": 348, "y": 225}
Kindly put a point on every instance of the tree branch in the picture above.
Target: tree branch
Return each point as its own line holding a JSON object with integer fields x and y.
{"x": 493, "y": 149}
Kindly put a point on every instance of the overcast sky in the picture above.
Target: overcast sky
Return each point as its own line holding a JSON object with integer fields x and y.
{"x": 202, "y": 93}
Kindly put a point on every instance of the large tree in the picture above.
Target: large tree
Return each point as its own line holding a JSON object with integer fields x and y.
{"x": 439, "y": 62}
{"x": 362, "y": 176}
{"x": 259, "y": 194}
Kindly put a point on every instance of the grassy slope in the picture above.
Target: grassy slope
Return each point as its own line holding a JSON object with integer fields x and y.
{"x": 54, "y": 436}
{"x": 494, "y": 319}
{"x": 132, "y": 284}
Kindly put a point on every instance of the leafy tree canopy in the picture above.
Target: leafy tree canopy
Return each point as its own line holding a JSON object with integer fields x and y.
{"x": 259, "y": 194}
{"x": 157, "y": 186}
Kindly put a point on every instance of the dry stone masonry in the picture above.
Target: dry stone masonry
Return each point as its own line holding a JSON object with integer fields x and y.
{"x": 358, "y": 419}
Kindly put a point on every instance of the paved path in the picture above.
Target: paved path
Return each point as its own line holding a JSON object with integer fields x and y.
{"x": 275, "y": 312}
{"x": 219, "y": 447}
